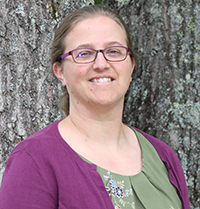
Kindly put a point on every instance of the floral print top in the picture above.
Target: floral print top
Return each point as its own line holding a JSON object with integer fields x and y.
{"x": 151, "y": 188}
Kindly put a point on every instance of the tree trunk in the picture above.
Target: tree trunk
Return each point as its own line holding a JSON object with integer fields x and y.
{"x": 164, "y": 96}
{"x": 29, "y": 91}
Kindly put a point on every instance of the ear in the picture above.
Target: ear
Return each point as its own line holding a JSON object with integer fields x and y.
{"x": 133, "y": 64}
{"x": 59, "y": 72}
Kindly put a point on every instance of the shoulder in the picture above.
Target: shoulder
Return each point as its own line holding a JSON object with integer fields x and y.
{"x": 164, "y": 150}
{"x": 44, "y": 148}
{"x": 43, "y": 153}
{"x": 43, "y": 139}
{"x": 170, "y": 159}
{"x": 30, "y": 168}
{"x": 166, "y": 153}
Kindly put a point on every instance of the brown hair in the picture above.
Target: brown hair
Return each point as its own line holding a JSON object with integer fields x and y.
{"x": 67, "y": 25}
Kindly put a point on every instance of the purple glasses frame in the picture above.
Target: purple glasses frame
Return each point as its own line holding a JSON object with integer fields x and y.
{"x": 97, "y": 51}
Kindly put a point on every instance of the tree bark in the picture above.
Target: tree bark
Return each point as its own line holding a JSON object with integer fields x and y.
{"x": 29, "y": 91}
{"x": 164, "y": 96}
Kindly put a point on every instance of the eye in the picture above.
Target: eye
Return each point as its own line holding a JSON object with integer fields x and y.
{"x": 113, "y": 51}
{"x": 84, "y": 53}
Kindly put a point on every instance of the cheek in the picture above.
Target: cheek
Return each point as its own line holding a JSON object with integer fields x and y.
{"x": 129, "y": 68}
{"x": 127, "y": 72}
{"x": 74, "y": 76}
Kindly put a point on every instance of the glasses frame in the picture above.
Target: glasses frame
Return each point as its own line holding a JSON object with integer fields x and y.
{"x": 97, "y": 51}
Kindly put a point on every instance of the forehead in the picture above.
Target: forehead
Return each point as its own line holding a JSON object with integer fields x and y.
{"x": 97, "y": 30}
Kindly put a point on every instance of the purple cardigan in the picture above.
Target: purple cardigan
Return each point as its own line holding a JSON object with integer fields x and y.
{"x": 43, "y": 172}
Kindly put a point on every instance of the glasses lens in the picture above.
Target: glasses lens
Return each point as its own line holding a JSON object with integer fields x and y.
{"x": 84, "y": 55}
{"x": 115, "y": 53}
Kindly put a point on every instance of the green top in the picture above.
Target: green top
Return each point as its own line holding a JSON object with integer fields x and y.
{"x": 151, "y": 188}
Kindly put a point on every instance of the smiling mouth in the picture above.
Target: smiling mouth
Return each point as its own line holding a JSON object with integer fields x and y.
{"x": 101, "y": 80}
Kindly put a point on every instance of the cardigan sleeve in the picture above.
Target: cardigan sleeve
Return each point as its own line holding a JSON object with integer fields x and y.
{"x": 23, "y": 186}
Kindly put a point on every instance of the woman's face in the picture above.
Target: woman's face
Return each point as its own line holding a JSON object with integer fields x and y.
{"x": 100, "y": 82}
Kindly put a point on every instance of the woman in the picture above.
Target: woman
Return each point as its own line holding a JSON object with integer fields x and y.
{"x": 91, "y": 159}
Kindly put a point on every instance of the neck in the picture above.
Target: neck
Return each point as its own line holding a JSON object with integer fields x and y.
{"x": 98, "y": 126}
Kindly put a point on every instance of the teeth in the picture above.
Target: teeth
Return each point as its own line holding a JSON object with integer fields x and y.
{"x": 101, "y": 80}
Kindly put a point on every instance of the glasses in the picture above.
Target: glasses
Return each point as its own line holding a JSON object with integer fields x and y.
{"x": 88, "y": 55}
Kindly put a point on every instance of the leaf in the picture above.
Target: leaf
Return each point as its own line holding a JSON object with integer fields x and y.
{"x": 97, "y": 1}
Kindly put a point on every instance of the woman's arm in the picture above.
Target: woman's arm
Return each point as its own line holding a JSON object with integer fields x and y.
{"x": 23, "y": 186}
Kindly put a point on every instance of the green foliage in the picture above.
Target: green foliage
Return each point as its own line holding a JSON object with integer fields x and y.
{"x": 97, "y": 1}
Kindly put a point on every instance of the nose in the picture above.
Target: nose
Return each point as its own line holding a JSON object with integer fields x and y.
{"x": 100, "y": 62}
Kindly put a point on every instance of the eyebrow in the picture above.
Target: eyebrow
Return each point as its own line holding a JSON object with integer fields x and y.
{"x": 92, "y": 46}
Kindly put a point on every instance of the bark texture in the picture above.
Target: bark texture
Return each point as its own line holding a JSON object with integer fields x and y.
{"x": 29, "y": 91}
{"x": 163, "y": 98}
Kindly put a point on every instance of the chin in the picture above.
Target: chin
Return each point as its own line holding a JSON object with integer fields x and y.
{"x": 108, "y": 102}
